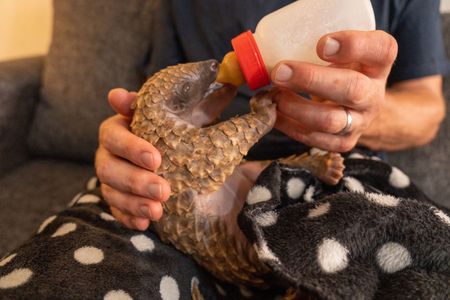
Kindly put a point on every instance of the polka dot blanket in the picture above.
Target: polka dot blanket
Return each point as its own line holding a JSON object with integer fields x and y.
{"x": 373, "y": 236}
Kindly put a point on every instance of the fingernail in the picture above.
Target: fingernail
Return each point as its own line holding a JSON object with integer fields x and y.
{"x": 284, "y": 73}
{"x": 155, "y": 191}
{"x": 138, "y": 225}
{"x": 148, "y": 160}
{"x": 332, "y": 47}
{"x": 145, "y": 211}
{"x": 165, "y": 190}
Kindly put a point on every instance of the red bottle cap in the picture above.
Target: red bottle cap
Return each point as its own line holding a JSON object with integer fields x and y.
{"x": 250, "y": 60}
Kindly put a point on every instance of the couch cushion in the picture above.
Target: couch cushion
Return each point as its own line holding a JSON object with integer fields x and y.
{"x": 19, "y": 91}
{"x": 96, "y": 45}
{"x": 33, "y": 192}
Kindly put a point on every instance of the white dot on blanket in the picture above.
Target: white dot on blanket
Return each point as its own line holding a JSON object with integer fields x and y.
{"x": 393, "y": 257}
{"x": 332, "y": 256}
{"x": 441, "y": 215}
{"x": 295, "y": 188}
{"x": 168, "y": 288}
{"x": 16, "y": 278}
{"x": 92, "y": 183}
{"x": 353, "y": 184}
{"x": 266, "y": 219}
{"x": 398, "y": 179}
{"x": 45, "y": 223}
{"x": 88, "y": 198}
{"x": 318, "y": 152}
{"x": 117, "y": 295}
{"x": 383, "y": 200}
{"x": 258, "y": 194}
{"x": 107, "y": 217}
{"x": 356, "y": 155}
{"x": 7, "y": 259}
{"x": 65, "y": 229}
{"x": 319, "y": 210}
{"x": 309, "y": 194}
{"x": 88, "y": 255}
{"x": 142, "y": 243}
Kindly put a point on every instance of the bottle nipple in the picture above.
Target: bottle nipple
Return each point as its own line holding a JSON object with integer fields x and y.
{"x": 230, "y": 71}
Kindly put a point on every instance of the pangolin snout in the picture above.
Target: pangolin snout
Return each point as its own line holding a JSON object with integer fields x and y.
{"x": 210, "y": 68}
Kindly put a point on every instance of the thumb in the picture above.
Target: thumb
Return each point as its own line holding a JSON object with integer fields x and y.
{"x": 121, "y": 100}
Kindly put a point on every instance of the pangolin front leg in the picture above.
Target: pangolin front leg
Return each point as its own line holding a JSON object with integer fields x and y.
{"x": 231, "y": 140}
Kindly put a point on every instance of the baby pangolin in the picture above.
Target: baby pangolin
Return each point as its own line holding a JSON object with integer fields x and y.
{"x": 175, "y": 111}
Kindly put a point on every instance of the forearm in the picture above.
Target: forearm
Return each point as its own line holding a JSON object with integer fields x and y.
{"x": 411, "y": 116}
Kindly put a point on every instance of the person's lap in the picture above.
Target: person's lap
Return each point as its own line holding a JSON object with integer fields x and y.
{"x": 84, "y": 253}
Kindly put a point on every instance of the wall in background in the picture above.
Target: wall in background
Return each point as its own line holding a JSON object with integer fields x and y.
{"x": 25, "y": 28}
{"x": 445, "y": 5}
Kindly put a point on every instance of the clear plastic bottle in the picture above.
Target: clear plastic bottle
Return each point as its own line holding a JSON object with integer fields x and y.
{"x": 291, "y": 33}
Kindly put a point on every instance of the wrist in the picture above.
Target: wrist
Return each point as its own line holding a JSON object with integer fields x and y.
{"x": 371, "y": 137}
{"x": 373, "y": 134}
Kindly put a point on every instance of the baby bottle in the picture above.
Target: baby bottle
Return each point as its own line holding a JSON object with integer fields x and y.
{"x": 290, "y": 33}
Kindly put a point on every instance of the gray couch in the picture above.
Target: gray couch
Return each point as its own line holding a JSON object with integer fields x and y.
{"x": 51, "y": 108}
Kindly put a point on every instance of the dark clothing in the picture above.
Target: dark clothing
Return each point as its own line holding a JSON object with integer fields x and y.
{"x": 416, "y": 25}
{"x": 198, "y": 30}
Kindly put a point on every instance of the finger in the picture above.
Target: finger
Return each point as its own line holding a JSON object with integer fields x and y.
{"x": 313, "y": 116}
{"x": 330, "y": 142}
{"x": 121, "y": 100}
{"x": 130, "y": 221}
{"x": 115, "y": 136}
{"x": 290, "y": 127}
{"x": 129, "y": 178}
{"x": 131, "y": 204}
{"x": 347, "y": 87}
{"x": 376, "y": 51}
{"x": 324, "y": 141}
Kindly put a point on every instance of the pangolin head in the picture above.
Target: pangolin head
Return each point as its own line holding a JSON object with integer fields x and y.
{"x": 192, "y": 94}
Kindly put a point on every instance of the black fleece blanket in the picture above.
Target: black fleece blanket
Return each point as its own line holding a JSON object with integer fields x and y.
{"x": 373, "y": 236}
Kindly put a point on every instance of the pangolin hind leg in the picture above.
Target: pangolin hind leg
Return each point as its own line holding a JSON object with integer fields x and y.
{"x": 327, "y": 166}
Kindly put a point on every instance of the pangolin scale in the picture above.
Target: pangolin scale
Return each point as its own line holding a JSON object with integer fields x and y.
{"x": 174, "y": 111}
